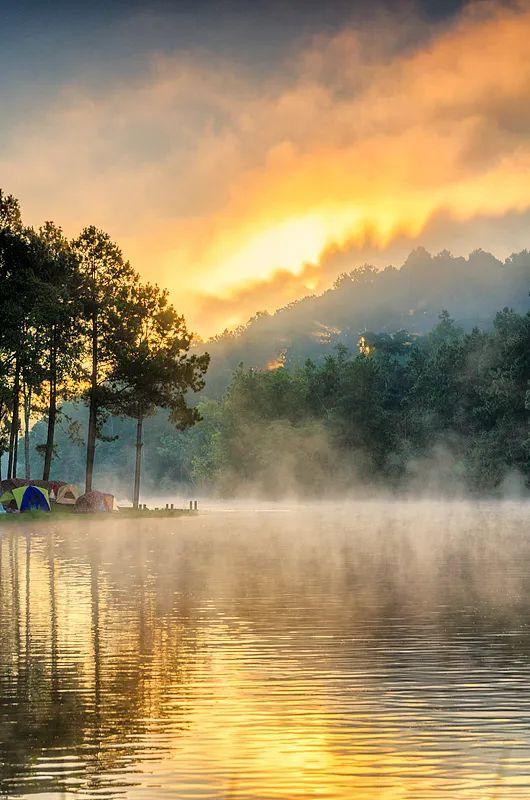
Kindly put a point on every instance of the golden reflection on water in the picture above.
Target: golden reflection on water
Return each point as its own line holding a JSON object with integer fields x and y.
{"x": 375, "y": 651}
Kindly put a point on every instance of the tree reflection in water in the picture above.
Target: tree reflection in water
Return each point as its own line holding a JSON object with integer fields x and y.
{"x": 79, "y": 686}
{"x": 363, "y": 652}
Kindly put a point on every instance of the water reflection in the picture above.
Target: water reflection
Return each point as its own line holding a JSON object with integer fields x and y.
{"x": 369, "y": 652}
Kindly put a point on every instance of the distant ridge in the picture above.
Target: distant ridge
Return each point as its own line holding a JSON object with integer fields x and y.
{"x": 411, "y": 297}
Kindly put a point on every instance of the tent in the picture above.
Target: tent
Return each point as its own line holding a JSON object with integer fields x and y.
{"x": 8, "y": 499}
{"x": 2, "y": 509}
{"x": 27, "y": 498}
{"x": 67, "y": 494}
{"x": 32, "y": 498}
{"x": 92, "y": 502}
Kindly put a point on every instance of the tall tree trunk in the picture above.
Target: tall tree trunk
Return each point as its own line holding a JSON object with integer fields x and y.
{"x": 52, "y": 411}
{"x": 15, "y": 448}
{"x": 92, "y": 417}
{"x": 27, "y": 416}
{"x": 138, "y": 465}
{"x": 2, "y": 414}
{"x": 13, "y": 434}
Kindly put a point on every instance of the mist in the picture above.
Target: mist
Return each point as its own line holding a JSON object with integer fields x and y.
{"x": 276, "y": 344}
{"x": 430, "y": 410}
{"x": 373, "y": 643}
{"x": 368, "y": 298}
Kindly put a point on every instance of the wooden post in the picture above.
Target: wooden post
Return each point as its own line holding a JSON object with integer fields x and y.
{"x": 138, "y": 461}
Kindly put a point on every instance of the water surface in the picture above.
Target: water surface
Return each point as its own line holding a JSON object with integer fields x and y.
{"x": 369, "y": 651}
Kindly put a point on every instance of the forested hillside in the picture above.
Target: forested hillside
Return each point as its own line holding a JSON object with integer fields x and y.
{"x": 473, "y": 289}
{"x": 369, "y": 385}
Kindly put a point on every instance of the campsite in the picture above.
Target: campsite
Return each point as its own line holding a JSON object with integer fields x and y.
{"x": 265, "y": 400}
{"x": 19, "y": 498}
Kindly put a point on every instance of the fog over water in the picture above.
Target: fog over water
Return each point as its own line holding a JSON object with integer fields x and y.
{"x": 374, "y": 649}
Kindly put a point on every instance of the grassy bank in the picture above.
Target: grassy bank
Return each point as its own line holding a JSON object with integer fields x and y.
{"x": 66, "y": 512}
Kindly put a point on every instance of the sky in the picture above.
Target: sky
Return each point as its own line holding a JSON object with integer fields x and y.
{"x": 244, "y": 153}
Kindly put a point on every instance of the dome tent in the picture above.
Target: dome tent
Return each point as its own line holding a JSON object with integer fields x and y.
{"x": 94, "y": 501}
{"x": 67, "y": 494}
{"x": 27, "y": 498}
{"x": 6, "y": 497}
{"x": 32, "y": 498}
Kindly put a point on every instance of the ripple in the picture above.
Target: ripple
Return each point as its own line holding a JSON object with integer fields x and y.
{"x": 383, "y": 654}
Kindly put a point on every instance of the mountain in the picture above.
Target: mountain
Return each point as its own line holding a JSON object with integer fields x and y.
{"x": 367, "y": 299}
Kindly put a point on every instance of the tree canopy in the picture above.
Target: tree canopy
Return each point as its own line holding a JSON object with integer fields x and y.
{"x": 78, "y": 324}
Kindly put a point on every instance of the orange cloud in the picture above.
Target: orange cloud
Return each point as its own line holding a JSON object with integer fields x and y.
{"x": 225, "y": 188}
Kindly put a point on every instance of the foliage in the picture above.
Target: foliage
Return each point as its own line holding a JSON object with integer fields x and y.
{"x": 366, "y": 388}
{"x": 78, "y": 324}
{"x": 383, "y": 417}
{"x": 447, "y": 411}
{"x": 381, "y": 300}
{"x": 152, "y": 367}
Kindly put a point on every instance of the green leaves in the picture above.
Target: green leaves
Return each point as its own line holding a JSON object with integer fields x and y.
{"x": 152, "y": 366}
{"x": 406, "y": 403}
{"x": 77, "y": 322}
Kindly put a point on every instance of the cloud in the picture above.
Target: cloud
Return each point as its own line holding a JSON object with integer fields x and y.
{"x": 240, "y": 192}
{"x": 509, "y": 232}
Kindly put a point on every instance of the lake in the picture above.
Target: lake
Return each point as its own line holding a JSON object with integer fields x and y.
{"x": 365, "y": 650}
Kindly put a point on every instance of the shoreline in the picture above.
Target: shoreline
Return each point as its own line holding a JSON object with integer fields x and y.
{"x": 125, "y": 513}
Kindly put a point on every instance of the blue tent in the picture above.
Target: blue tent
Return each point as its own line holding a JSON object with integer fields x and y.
{"x": 32, "y": 498}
